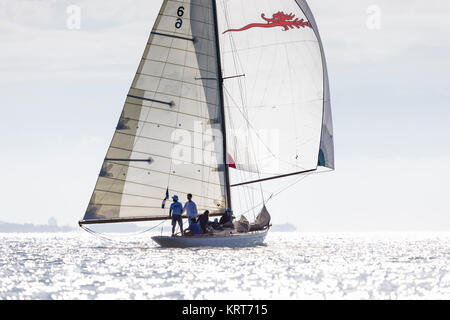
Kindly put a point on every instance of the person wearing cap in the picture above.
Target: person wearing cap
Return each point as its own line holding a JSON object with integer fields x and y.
{"x": 190, "y": 208}
{"x": 176, "y": 209}
{"x": 227, "y": 219}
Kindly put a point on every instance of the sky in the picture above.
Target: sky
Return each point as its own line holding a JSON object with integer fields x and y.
{"x": 63, "y": 82}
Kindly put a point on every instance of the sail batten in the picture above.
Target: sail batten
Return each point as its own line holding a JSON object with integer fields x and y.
{"x": 155, "y": 109}
{"x": 150, "y": 190}
{"x": 152, "y": 100}
{"x": 173, "y": 36}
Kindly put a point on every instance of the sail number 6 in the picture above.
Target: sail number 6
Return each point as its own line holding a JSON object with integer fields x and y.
{"x": 180, "y": 13}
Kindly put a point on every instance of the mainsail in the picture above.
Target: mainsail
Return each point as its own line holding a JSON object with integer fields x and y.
{"x": 225, "y": 87}
{"x": 169, "y": 135}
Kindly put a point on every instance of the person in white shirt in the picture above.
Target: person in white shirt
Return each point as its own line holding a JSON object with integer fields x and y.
{"x": 190, "y": 208}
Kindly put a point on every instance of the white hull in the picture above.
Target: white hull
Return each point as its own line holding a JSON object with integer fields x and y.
{"x": 235, "y": 240}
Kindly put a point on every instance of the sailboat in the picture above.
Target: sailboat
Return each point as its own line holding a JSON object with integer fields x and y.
{"x": 231, "y": 97}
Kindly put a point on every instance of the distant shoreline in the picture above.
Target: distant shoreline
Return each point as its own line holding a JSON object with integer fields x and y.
{"x": 6, "y": 227}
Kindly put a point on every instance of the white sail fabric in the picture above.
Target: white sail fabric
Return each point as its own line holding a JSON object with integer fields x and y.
{"x": 326, "y": 152}
{"x": 275, "y": 89}
{"x": 172, "y": 119}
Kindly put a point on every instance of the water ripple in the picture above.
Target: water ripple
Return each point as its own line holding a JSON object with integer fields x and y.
{"x": 290, "y": 266}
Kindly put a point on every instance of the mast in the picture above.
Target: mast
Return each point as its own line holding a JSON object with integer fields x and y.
{"x": 222, "y": 106}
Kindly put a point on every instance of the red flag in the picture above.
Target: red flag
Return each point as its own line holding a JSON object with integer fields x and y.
{"x": 230, "y": 161}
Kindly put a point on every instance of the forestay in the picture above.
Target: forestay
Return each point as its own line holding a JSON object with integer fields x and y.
{"x": 169, "y": 135}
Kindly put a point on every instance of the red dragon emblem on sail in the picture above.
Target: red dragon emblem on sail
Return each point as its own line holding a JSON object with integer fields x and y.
{"x": 279, "y": 19}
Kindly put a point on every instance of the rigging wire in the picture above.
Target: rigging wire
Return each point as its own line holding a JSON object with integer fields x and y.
{"x": 102, "y": 236}
{"x": 275, "y": 194}
{"x": 244, "y": 196}
{"x": 238, "y": 66}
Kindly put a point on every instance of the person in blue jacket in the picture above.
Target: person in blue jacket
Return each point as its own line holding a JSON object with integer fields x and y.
{"x": 194, "y": 227}
{"x": 176, "y": 209}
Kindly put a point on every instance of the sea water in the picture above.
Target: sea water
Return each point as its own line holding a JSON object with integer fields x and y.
{"x": 290, "y": 266}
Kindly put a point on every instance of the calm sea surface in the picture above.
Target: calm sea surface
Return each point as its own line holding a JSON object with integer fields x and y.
{"x": 291, "y": 266}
